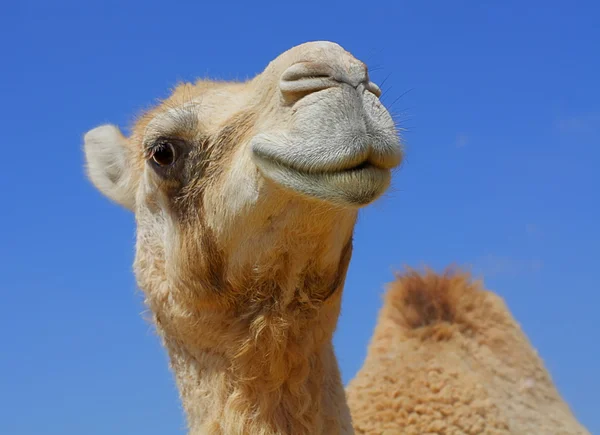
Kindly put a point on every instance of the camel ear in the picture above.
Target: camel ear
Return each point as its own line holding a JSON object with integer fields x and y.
{"x": 109, "y": 164}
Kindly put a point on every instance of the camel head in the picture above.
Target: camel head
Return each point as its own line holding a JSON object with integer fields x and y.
{"x": 231, "y": 182}
{"x": 245, "y": 197}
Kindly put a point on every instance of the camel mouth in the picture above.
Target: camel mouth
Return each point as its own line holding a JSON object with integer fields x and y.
{"x": 350, "y": 185}
{"x": 351, "y": 165}
{"x": 341, "y": 147}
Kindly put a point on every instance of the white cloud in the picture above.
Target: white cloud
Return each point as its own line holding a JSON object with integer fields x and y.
{"x": 533, "y": 230}
{"x": 462, "y": 140}
{"x": 492, "y": 265}
{"x": 585, "y": 123}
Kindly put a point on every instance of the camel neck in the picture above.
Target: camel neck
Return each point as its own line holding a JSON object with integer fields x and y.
{"x": 250, "y": 342}
{"x": 281, "y": 378}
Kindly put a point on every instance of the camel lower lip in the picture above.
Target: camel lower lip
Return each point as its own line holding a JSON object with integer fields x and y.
{"x": 355, "y": 186}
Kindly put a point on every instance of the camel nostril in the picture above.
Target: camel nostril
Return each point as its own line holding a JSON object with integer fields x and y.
{"x": 307, "y": 70}
{"x": 306, "y": 77}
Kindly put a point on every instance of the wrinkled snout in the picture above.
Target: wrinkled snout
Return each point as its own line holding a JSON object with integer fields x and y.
{"x": 322, "y": 65}
{"x": 333, "y": 138}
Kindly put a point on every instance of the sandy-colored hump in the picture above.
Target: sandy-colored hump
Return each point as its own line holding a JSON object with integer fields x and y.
{"x": 434, "y": 301}
{"x": 447, "y": 357}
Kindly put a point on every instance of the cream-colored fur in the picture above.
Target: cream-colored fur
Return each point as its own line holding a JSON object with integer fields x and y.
{"x": 108, "y": 162}
{"x": 245, "y": 197}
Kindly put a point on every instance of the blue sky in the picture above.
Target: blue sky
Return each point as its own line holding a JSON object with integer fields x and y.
{"x": 501, "y": 103}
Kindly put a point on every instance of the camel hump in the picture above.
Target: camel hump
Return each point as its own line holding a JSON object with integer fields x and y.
{"x": 418, "y": 300}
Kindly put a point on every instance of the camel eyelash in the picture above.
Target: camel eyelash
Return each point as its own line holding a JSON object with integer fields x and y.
{"x": 164, "y": 152}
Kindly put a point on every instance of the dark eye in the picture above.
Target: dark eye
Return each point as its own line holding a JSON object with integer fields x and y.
{"x": 164, "y": 154}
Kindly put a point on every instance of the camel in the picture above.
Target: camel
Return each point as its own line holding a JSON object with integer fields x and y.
{"x": 245, "y": 197}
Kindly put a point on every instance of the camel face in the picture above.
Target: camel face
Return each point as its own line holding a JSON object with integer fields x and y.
{"x": 229, "y": 179}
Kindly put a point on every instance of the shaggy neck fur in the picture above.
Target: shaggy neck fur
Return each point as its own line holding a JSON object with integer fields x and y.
{"x": 251, "y": 347}
{"x": 283, "y": 380}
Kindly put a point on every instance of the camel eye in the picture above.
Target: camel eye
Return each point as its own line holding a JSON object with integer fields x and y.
{"x": 164, "y": 154}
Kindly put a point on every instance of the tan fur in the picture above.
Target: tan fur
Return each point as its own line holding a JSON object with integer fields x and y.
{"x": 250, "y": 343}
{"x": 447, "y": 357}
{"x": 244, "y": 278}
